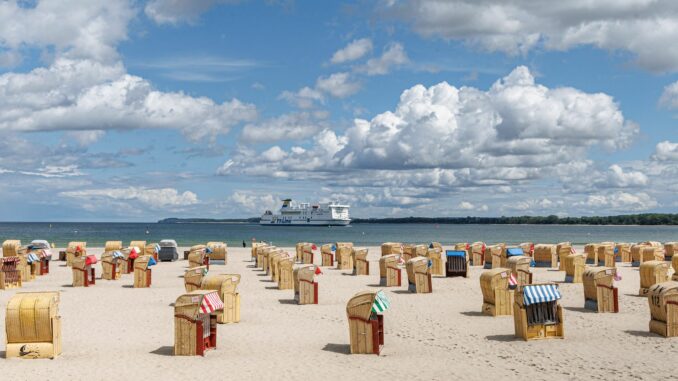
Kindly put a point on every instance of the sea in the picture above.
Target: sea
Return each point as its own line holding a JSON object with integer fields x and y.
{"x": 187, "y": 234}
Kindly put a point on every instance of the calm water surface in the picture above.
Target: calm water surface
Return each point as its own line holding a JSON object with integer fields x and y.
{"x": 95, "y": 234}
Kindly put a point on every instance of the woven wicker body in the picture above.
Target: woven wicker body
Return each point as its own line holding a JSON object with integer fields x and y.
{"x": 10, "y": 274}
{"x": 140, "y": 244}
{"x": 388, "y": 248}
{"x": 674, "y": 264}
{"x": 326, "y": 255}
{"x": 194, "y": 332}
{"x": 520, "y": 268}
{"x": 142, "y": 273}
{"x": 554, "y": 329}
{"x": 463, "y": 246}
{"x": 110, "y": 266}
{"x": 528, "y": 248}
{"x": 663, "y": 301}
{"x": 10, "y": 248}
{"x": 152, "y": 249}
{"x": 670, "y": 249}
{"x": 345, "y": 257}
{"x": 33, "y": 325}
{"x": 412, "y": 251}
{"x": 366, "y": 328}
{"x": 477, "y": 250}
{"x": 193, "y": 278}
{"x": 219, "y": 251}
{"x": 198, "y": 257}
{"x": 435, "y": 255}
{"x": 255, "y": 247}
{"x": 273, "y": 260}
{"x": 113, "y": 246}
{"x": 646, "y": 251}
{"x": 299, "y": 249}
{"x": 361, "y": 266}
{"x": 651, "y": 273}
{"x": 545, "y": 255}
{"x": 307, "y": 254}
{"x": 226, "y": 286}
{"x": 27, "y": 271}
{"x": 286, "y": 274}
{"x": 606, "y": 255}
{"x": 563, "y": 249}
{"x": 419, "y": 275}
{"x": 623, "y": 252}
{"x": 389, "y": 272}
{"x": 75, "y": 249}
{"x": 497, "y": 297}
{"x": 83, "y": 273}
{"x": 600, "y": 294}
{"x": 305, "y": 286}
{"x": 591, "y": 251}
{"x": 493, "y": 254}
{"x": 575, "y": 265}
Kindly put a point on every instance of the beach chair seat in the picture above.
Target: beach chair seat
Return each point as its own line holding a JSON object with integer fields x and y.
{"x": 651, "y": 273}
{"x": 389, "y": 272}
{"x": 366, "y": 322}
{"x": 600, "y": 294}
{"x": 84, "y": 271}
{"x": 195, "y": 322}
{"x": 419, "y": 275}
{"x": 663, "y": 301}
{"x": 33, "y": 325}
{"x": 142, "y": 271}
{"x": 456, "y": 263}
{"x": 326, "y": 255}
{"x": 545, "y": 255}
{"x": 537, "y": 314}
{"x": 305, "y": 286}
{"x": 361, "y": 266}
{"x": 497, "y": 295}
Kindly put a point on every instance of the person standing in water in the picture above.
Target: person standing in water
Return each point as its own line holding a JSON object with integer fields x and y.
{"x": 244, "y": 245}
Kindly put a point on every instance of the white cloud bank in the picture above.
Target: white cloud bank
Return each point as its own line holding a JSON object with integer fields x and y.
{"x": 153, "y": 198}
{"x": 647, "y": 29}
{"x": 353, "y": 51}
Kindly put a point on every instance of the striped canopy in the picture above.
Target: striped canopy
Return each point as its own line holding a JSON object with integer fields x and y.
{"x": 30, "y": 258}
{"x": 211, "y": 302}
{"x": 540, "y": 293}
{"x": 381, "y": 302}
{"x": 455, "y": 253}
{"x": 117, "y": 254}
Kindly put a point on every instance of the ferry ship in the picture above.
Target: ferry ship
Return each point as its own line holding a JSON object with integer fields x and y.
{"x": 326, "y": 214}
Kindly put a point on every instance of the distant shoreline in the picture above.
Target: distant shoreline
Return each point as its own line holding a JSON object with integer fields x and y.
{"x": 649, "y": 219}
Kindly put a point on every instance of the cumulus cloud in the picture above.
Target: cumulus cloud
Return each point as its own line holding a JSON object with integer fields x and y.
{"x": 305, "y": 98}
{"x": 153, "y": 198}
{"x": 666, "y": 151}
{"x": 254, "y": 203}
{"x": 86, "y": 95}
{"x": 511, "y": 132}
{"x": 180, "y": 11}
{"x": 339, "y": 85}
{"x": 465, "y": 205}
{"x": 617, "y": 177}
{"x": 669, "y": 98}
{"x": 394, "y": 55}
{"x": 293, "y": 126}
{"x": 78, "y": 29}
{"x": 353, "y": 51}
{"x": 647, "y": 29}
{"x": 620, "y": 201}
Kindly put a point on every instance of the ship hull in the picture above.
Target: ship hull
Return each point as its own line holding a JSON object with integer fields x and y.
{"x": 305, "y": 223}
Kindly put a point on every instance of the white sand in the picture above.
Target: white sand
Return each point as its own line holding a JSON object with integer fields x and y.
{"x": 114, "y": 332}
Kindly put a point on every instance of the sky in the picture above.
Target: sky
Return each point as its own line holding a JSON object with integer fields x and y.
{"x": 142, "y": 110}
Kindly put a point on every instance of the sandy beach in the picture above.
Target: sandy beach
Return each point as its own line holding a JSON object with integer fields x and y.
{"x": 113, "y": 331}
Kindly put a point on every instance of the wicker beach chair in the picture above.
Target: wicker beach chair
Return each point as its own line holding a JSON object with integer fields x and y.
{"x": 545, "y": 255}
{"x": 198, "y": 257}
{"x": 389, "y": 272}
{"x": 435, "y": 256}
{"x": 412, "y": 251}
{"x": 307, "y": 254}
{"x": 563, "y": 249}
{"x": 219, "y": 251}
{"x": 286, "y": 274}
{"x": 111, "y": 265}
{"x": 326, "y": 255}
{"x": 142, "y": 271}
{"x": 365, "y": 321}
{"x": 361, "y": 266}
{"x": 497, "y": 296}
{"x": 195, "y": 322}
{"x": 528, "y": 248}
{"x": 537, "y": 314}
{"x": 478, "y": 253}
{"x": 74, "y": 250}
{"x": 419, "y": 275}
{"x": 520, "y": 268}
{"x": 388, "y": 248}
{"x": 305, "y": 286}
{"x": 193, "y": 278}
{"x": 670, "y": 249}
{"x": 651, "y": 273}
{"x": 674, "y": 264}
{"x": 226, "y": 287}
{"x": 84, "y": 271}
{"x": 623, "y": 252}
{"x": 591, "y": 251}
{"x": 456, "y": 263}
{"x": 344, "y": 256}
{"x": 600, "y": 294}
{"x": 10, "y": 248}
{"x": 33, "y": 325}
{"x": 255, "y": 247}
{"x": 113, "y": 246}
{"x": 663, "y": 301}
{"x": 299, "y": 249}
{"x": 493, "y": 254}
{"x": 10, "y": 274}
{"x": 575, "y": 264}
